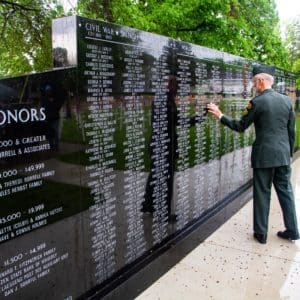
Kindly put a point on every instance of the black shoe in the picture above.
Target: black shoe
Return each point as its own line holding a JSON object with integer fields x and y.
{"x": 288, "y": 235}
{"x": 172, "y": 218}
{"x": 261, "y": 238}
{"x": 147, "y": 209}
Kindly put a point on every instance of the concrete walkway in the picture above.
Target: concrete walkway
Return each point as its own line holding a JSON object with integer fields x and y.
{"x": 231, "y": 265}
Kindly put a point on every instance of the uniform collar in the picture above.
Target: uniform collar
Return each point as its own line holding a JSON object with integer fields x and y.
{"x": 267, "y": 91}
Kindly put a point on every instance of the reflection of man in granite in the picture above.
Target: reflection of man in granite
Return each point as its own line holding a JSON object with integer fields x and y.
{"x": 52, "y": 99}
{"x": 171, "y": 123}
{"x": 171, "y": 150}
{"x": 274, "y": 121}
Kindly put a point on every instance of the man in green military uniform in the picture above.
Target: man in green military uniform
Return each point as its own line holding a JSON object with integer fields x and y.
{"x": 274, "y": 121}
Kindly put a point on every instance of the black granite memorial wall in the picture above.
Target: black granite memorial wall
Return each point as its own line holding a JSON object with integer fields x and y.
{"x": 112, "y": 155}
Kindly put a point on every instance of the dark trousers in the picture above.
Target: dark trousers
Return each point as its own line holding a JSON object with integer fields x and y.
{"x": 262, "y": 183}
{"x": 148, "y": 204}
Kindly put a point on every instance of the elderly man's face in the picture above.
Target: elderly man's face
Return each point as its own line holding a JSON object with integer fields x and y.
{"x": 257, "y": 82}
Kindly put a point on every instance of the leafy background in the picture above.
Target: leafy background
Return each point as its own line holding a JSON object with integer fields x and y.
{"x": 248, "y": 28}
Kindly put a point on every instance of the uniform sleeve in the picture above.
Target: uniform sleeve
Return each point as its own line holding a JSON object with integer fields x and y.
{"x": 243, "y": 123}
{"x": 291, "y": 130}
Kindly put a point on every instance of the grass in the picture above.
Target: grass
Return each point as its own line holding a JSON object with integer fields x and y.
{"x": 224, "y": 143}
{"x": 71, "y": 132}
{"x": 72, "y": 198}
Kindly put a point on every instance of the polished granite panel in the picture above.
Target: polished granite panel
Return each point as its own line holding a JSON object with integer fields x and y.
{"x": 111, "y": 158}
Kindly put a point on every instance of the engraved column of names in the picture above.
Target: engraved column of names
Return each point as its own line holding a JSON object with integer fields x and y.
{"x": 249, "y": 133}
{"x": 237, "y": 77}
{"x": 238, "y": 80}
{"x": 245, "y": 163}
{"x": 160, "y": 141}
{"x": 134, "y": 147}
{"x": 247, "y": 142}
{"x": 230, "y": 135}
{"x": 227, "y": 149}
{"x": 199, "y": 185}
{"x": 184, "y": 81}
{"x": 99, "y": 131}
{"x": 236, "y": 146}
{"x": 213, "y": 164}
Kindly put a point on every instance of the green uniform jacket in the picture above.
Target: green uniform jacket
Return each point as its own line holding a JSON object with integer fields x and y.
{"x": 274, "y": 120}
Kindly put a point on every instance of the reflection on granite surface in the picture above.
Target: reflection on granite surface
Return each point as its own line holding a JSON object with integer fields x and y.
{"x": 106, "y": 162}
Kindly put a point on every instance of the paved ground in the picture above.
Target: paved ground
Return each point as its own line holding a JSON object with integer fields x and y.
{"x": 231, "y": 265}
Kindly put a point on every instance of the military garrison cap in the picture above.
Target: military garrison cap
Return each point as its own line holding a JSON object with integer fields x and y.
{"x": 263, "y": 69}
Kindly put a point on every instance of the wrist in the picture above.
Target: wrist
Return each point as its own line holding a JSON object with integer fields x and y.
{"x": 220, "y": 116}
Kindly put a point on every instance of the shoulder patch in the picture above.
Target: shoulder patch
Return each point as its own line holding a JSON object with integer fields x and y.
{"x": 249, "y": 106}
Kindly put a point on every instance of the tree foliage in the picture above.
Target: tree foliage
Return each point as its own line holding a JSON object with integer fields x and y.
{"x": 25, "y": 32}
{"x": 248, "y": 28}
{"x": 293, "y": 45}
